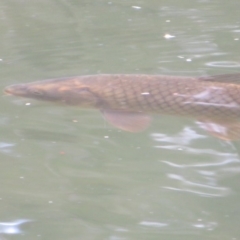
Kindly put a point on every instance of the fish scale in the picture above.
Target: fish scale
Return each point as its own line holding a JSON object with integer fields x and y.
{"x": 163, "y": 95}
{"x": 127, "y": 99}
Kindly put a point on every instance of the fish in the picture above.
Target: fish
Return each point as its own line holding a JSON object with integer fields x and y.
{"x": 127, "y": 101}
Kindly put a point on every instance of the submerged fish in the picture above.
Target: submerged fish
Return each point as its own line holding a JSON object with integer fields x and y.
{"x": 126, "y": 100}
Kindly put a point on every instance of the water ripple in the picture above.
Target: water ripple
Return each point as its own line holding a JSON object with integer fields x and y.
{"x": 220, "y": 64}
{"x": 12, "y": 227}
{"x": 196, "y": 166}
{"x": 197, "y": 188}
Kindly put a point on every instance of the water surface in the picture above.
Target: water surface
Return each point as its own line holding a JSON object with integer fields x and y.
{"x": 67, "y": 174}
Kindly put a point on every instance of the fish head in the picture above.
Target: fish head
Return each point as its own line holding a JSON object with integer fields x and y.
{"x": 67, "y": 91}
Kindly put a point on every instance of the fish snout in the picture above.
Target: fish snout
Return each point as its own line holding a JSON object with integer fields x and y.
{"x": 18, "y": 90}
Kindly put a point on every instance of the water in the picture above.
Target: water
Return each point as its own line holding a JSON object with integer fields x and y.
{"x": 67, "y": 174}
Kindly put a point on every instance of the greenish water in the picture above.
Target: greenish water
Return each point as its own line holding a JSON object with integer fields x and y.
{"x": 65, "y": 173}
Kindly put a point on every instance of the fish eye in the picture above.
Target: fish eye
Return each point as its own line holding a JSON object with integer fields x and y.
{"x": 37, "y": 92}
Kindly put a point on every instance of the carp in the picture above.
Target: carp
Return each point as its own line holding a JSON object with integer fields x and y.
{"x": 127, "y": 101}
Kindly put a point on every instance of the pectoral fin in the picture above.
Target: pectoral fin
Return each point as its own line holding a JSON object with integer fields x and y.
{"x": 225, "y": 130}
{"x": 127, "y": 121}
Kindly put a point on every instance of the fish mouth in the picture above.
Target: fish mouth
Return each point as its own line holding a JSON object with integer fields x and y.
{"x": 8, "y": 90}
{"x": 17, "y": 90}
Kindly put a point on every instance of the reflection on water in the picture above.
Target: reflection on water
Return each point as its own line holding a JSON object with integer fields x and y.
{"x": 197, "y": 177}
{"x": 6, "y": 147}
{"x": 153, "y": 224}
{"x": 185, "y": 185}
{"x": 12, "y": 227}
{"x": 221, "y": 64}
{"x": 179, "y": 226}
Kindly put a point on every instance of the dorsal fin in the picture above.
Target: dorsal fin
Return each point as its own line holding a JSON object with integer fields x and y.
{"x": 225, "y": 78}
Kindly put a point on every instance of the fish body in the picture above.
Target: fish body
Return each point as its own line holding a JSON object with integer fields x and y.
{"x": 126, "y": 99}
